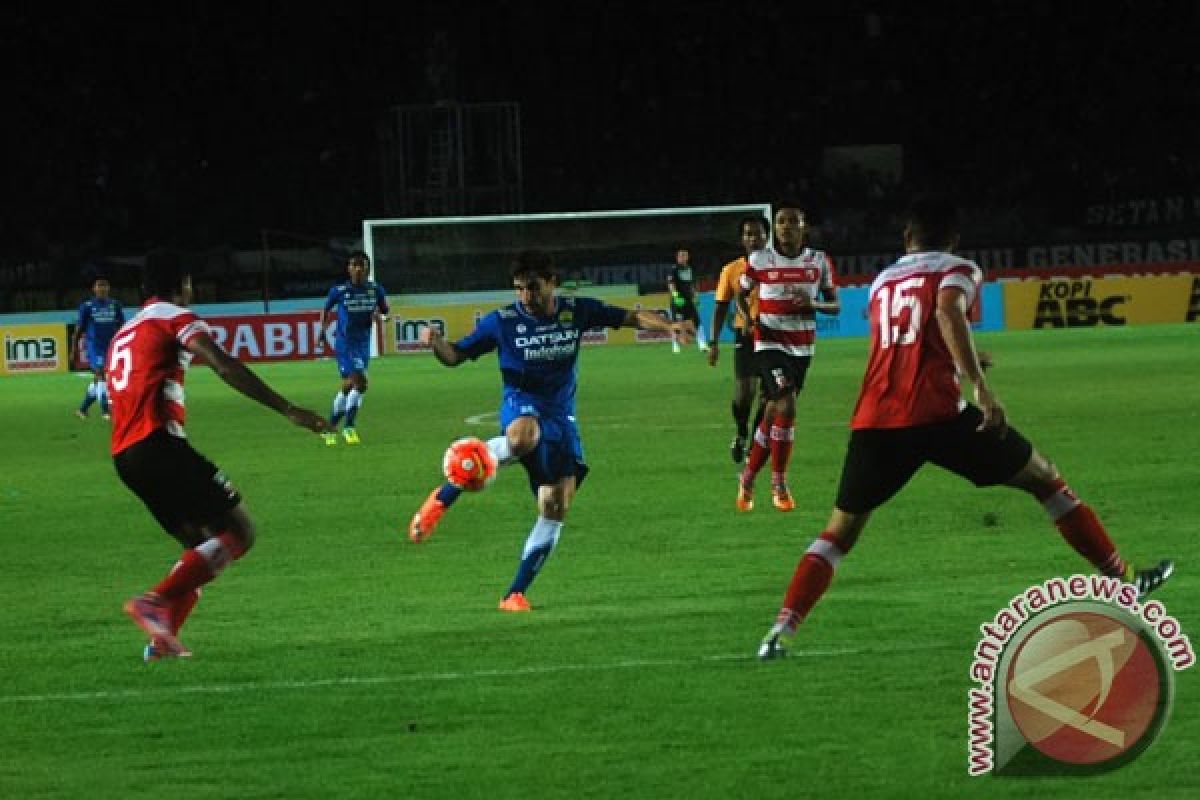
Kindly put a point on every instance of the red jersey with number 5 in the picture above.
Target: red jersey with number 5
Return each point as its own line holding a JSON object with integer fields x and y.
{"x": 147, "y": 361}
{"x": 911, "y": 378}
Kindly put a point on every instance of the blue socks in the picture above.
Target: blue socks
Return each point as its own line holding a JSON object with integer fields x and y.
{"x": 88, "y": 398}
{"x": 449, "y": 493}
{"x": 339, "y": 408}
{"x": 95, "y": 391}
{"x": 538, "y": 547}
{"x": 353, "y": 403}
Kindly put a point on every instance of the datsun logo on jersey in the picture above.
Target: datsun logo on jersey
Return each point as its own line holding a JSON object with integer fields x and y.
{"x": 1071, "y": 304}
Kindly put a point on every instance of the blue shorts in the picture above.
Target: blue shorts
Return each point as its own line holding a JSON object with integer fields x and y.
{"x": 96, "y": 358}
{"x": 353, "y": 357}
{"x": 559, "y": 452}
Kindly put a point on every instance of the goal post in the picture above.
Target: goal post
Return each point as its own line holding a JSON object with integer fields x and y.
{"x": 425, "y": 262}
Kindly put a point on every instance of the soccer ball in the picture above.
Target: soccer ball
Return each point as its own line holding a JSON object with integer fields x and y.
{"x": 468, "y": 464}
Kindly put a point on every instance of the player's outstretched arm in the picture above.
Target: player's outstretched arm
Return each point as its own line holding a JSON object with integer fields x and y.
{"x": 443, "y": 350}
{"x": 956, "y": 332}
{"x": 240, "y": 377}
{"x": 652, "y": 321}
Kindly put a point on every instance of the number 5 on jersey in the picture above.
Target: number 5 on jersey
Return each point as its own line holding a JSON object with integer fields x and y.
{"x": 120, "y": 361}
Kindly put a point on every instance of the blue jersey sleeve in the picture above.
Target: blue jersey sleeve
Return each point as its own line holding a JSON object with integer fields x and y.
{"x": 120, "y": 311}
{"x": 331, "y": 299}
{"x": 484, "y": 339}
{"x": 592, "y": 313}
{"x": 85, "y": 316}
{"x": 382, "y": 305}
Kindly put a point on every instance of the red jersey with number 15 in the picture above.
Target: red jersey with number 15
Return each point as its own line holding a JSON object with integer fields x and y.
{"x": 911, "y": 378}
{"x": 147, "y": 361}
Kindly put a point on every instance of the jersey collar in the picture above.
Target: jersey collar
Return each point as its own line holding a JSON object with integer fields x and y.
{"x": 523, "y": 311}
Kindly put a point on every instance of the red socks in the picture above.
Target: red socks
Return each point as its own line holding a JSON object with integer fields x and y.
{"x": 196, "y": 567}
{"x": 812, "y": 578}
{"x": 181, "y": 608}
{"x": 1082, "y": 529}
{"x": 783, "y": 433}
{"x": 771, "y": 438}
{"x": 758, "y": 453}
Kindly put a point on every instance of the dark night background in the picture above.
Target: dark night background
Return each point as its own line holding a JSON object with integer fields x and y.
{"x": 198, "y": 125}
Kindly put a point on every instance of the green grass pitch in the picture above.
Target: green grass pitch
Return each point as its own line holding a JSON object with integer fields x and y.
{"x": 339, "y": 661}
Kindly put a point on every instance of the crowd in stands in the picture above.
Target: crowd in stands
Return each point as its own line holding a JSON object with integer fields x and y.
{"x": 1027, "y": 112}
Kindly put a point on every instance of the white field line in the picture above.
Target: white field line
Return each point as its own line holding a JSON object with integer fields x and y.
{"x": 428, "y": 677}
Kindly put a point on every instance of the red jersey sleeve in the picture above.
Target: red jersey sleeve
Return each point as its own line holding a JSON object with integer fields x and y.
{"x": 965, "y": 277}
{"x": 187, "y": 326}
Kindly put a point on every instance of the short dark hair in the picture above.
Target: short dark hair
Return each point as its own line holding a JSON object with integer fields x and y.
{"x": 751, "y": 219}
{"x": 788, "y": 202}
{"x": 358, "y": 255}
{"x": 932, "y": 220}
{"x": 534, "y": 263}
{"x": 162, "y": 274}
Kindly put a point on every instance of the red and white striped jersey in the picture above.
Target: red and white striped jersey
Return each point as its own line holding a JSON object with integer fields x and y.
{"x": 781, "y": 323}
{"x": 147, "y": 361}
{"x": 911, "y": 378}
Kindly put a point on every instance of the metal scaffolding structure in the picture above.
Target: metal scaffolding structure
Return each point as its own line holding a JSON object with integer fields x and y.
{"x": 452, "y": 158}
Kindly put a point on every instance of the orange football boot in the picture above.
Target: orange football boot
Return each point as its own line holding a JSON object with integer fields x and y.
{"x": 426, "y": 518}
{"x": 515, "y": 602}
{"x": 745, "y": 497}
{"x": 782, "y": 498}
{"x": 152, "y": 615}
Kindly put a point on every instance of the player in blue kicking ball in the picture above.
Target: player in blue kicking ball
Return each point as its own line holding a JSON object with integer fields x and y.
{"x": 537, "y": 340}
{"x": 358, "y": 303}
{"x": 99, "y": 318}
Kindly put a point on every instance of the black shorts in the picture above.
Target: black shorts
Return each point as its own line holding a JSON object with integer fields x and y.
{"x": 743, "y": 355}
{"x": 781, "y": 374}
{"x": 181, "y": 488}
{"x": 879, "y": 462}
{"x": 687, "y": 311}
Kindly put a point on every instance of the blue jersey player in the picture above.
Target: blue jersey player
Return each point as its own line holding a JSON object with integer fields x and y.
{"x": 358, "y": 303}
{"x": 537, "y": 340}
{"x": 99, "y": 318}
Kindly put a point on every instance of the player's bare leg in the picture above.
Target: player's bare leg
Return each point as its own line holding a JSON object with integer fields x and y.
{"x": 743, "y": 401}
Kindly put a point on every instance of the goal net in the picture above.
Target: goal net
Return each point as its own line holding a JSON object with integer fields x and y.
{"x": 454, "y": 263}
